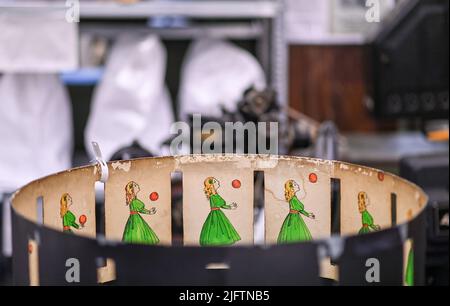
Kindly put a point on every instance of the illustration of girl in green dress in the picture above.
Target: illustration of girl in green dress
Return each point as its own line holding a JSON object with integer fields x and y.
{"x": 137, "y": 230}
{"x": 68, "y": 218}
{"x": 294, "y": 228}
{"x": 367, "y": 219}
{"x": 217, "y": 229}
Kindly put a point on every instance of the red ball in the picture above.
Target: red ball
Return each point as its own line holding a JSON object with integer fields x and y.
{"x": 154, "y": 196}
{"x": 236, "y": 184}
{"x": 381, "y": 176}
{"x": 82, "y": 219}
{"x": 313, "y": 178}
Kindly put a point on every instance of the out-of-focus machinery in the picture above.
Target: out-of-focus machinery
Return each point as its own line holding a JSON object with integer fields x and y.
{"x": 409, "y": 62}
{"x": 256, "y": 106}
{"x": 409, "y": 79}
{"x": 431, "y": 173}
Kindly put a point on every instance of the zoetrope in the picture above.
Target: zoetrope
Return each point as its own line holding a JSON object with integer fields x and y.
{"x": 323, "y": 220}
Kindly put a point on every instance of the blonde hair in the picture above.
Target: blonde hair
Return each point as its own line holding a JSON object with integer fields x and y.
{"x": 362, "y": 200}
{"x": 289, "y": 191}
{"x": 64, "y": 205}
{"x": 209, "y": 188}
{"x": 130, "y": 194}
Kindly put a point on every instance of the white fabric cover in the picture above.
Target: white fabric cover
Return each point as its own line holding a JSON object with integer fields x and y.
{"x": 33, "y": 42}
{"x": 35, "y": 128}
{"x": 131, "y": 103}
{"x": 217, "y": 73}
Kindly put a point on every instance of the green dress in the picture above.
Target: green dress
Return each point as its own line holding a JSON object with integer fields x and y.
{"x": 137, "y": 230}
{"x": 294, "y": 228}
{"x": 409, "y": 277}
{"x": 69, "y": 221}
{"x": 368, "y": 225}
{"x": 217, "y": 229}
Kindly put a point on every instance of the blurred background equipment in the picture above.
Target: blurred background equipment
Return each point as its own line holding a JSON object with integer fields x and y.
{"x": 133, "y": 151}
{"x": 409, "y": 62}
{"x": 255, "y": 106}
{"x": 409, "y": 79}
